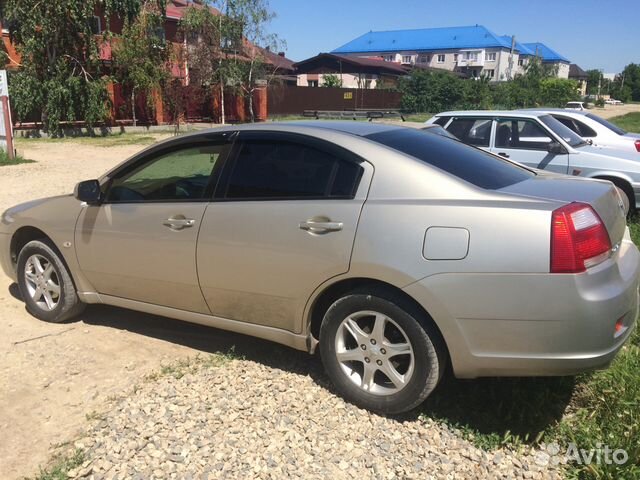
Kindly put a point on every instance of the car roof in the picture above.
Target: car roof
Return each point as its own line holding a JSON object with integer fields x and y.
{"x": 555, "y": 110}
{"x": 491, "y": 113}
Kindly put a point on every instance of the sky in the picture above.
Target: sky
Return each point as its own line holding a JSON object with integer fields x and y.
{"x": 594, "y": 34}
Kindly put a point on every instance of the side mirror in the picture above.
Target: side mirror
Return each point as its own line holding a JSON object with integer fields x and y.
{"x": 556, "y": 148}
{"x": 89, "y": 192}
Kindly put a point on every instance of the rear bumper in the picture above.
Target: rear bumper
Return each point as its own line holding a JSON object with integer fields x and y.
{"x": 535, "y": 324}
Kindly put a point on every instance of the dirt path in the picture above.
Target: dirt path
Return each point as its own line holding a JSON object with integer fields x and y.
{"x": 53, "y": 376}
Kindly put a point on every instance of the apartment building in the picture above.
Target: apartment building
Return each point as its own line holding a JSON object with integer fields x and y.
{"x": 472, "y": 50}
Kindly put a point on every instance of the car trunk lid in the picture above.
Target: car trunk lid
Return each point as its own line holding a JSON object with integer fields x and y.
{"x": 600, "y": 194}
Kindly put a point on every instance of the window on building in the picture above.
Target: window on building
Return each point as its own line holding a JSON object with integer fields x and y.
{"x": 521, "y": 62}
{"x": 423, "y": 59}
{"x": 455, "y": 57}
{"x": 388, "y": 58}
{"x": 441, "y": 58}
{"x": 312, "y": 83}
{"x": 490, "y": 56}
{"x": 406, "y": 59}
{"x": 471, "y": 56}
{"x": 96, "y": 25}
{"x": 490, "y": 73}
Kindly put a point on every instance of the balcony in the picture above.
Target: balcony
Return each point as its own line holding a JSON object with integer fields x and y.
{"x": 471, "y": 58}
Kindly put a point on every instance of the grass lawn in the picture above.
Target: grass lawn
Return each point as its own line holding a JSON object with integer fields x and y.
{"x": 629, "y": 122}
{"x": 589, "y": 410}
{"x": 114, "y": 140}
{"x": 18, "y": 159}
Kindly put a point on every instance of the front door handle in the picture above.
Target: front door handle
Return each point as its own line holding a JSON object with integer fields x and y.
{"x": 179, "y": 222}
{"x": 320, "y": 227}
{"x": 503, "y": 154}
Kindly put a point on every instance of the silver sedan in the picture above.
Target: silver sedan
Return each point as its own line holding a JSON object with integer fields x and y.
{"x": 396, "y": 251}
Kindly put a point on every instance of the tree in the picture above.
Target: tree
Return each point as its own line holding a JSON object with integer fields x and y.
{"x": 426, "y": 91}
{"x": 140, "y": 54}
{"x": 208, "y": 48}
{"x": 594, "y": 81}
{"x": 626, "y": 85}
{"x": 331, "y": 80}
{"x": 253, "y": 17}
{"x": 556, "y": 92}
{"x": 60, "y": 77}
{"x": 228, "y": 46}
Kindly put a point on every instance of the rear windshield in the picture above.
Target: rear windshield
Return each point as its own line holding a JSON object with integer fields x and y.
{"x": 467, "y": 163}
{"x": 609, "y": 125}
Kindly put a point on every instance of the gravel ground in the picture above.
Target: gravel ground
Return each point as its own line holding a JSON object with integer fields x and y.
{"x": 244, "y": 419}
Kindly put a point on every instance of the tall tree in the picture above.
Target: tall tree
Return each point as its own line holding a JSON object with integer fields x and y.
{"x": 253, "y": 36}
{"x": 141, "y": 55}
{"x": 60, "y": 77}
{"x": 228, "y": 46}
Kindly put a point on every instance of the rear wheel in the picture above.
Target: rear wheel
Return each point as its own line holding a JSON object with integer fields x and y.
{"x": 378, "y": 355}
{"x": 45, "y": 283}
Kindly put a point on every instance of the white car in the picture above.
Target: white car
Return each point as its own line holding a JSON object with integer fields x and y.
{"x": 613, "y": 101}
{"x": 596, "y": 130}
{"x": 575, "y": 106}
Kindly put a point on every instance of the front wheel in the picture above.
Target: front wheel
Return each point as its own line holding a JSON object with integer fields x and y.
{"x": 378, "y": 355}
{"x": 45, "y": 283}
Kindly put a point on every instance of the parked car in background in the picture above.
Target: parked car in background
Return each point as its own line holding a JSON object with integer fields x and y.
{"x": 597, "y": 130}
{"x": 446, "y": 255}
{"x": 538, "y": 140}
{"x": 575, "y": 106}
{"x": 612, "y": 101}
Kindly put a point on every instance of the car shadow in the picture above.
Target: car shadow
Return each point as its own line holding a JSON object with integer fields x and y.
{"x": 501, "y": 408}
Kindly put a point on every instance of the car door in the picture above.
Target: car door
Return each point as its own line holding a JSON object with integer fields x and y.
{"x": 140, "y": 243}
{"x": 525, "y": 141}
{"x": 283, "y": 221}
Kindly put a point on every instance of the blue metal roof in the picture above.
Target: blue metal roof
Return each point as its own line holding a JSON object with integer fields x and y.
{"x": 547, "y": 54}
{"x": 519, "y": 46}
{"x": 425, "y": 39}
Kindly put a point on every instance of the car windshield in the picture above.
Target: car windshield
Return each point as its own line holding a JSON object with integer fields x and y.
{"x": 607, "y": 124}
{"x": 454, "y": 157}
{"x": 562, "y": 131}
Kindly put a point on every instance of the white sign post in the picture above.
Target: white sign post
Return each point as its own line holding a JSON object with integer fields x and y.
{"x": 6, "y": 125}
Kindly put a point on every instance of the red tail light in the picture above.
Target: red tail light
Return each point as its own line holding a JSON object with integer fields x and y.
{"x": 637, "y": 144}
{"x": 579, "y": 239}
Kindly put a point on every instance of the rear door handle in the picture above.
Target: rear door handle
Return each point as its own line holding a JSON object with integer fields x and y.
{"x": 179, "y": 222}
{"x": 503, "y": 154}
{"x": 320, "y": 227}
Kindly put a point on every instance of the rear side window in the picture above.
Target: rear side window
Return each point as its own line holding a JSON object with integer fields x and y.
{"x": 286, "y": 170}
{"x": 467, "y": 163}
{"x": 474, "y": 131}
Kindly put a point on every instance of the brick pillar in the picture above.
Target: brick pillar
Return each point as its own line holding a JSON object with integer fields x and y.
{"x": 158, "y": 107}
{"x": 260, "y": 109}
{"x": 112, "y": 98}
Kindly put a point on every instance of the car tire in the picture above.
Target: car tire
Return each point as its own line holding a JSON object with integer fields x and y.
{"x": 351, "y": 351}
{"x": 46, "y": 284}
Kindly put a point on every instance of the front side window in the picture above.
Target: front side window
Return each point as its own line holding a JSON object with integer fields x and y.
{"x": 523, "y": 134}
{"x": 180, "y": 175}
{"x": 285, "y": 170}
